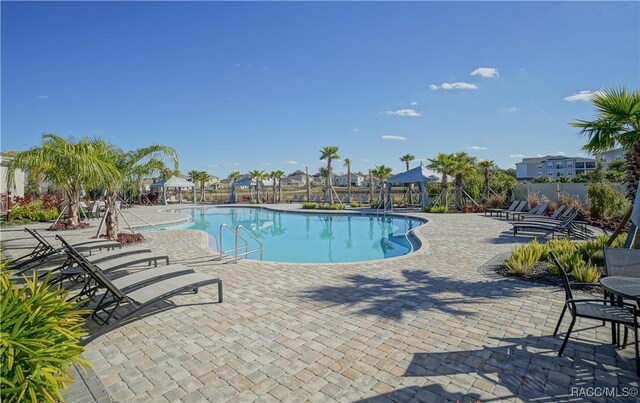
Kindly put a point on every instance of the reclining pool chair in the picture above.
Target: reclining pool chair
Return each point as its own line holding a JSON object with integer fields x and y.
{"x": 44, "y": 250}
{"x": 537, "y": 211}
{"x": 512, "y": 207}
{"x": 138, "y": 290}
{"x": 565, "y": 227}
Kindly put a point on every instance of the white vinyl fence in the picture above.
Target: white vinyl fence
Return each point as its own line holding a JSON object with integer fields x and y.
{"x": 552, "y": 190}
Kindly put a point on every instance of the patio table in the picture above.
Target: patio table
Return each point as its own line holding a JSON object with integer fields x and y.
{"x": 625, "y": 287}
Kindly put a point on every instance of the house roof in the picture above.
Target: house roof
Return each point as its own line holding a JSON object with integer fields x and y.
{"x": 173, "y": 182}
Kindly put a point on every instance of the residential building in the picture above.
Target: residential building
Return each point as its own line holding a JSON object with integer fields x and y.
{"x": 343, "y": 180}
{"x": 607, "y": 157}
{"x": 19, "y": 178}
{"x": 553, "y": 167}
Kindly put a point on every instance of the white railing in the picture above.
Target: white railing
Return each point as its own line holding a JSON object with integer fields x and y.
{"x": 238, "y": 249}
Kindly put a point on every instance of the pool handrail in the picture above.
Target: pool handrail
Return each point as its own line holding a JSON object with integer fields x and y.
{"x": 247, "y": 252}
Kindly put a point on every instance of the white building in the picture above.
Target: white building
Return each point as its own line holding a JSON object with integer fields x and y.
{"x": 356, "y": 180}
{"x": 553, "y": 167}
{"x": 19, "y": 179}
{"x": 607, "y": 157}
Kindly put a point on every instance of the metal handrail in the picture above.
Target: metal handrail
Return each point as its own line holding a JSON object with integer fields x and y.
{"x": 235, "y": 247}
{"x": 242, "y": 227}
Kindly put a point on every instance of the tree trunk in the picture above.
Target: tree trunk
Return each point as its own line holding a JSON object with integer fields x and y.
{"x": 274, "y": 190}
{"x": 632, "y": 173}
{"x": 349, "y": 183}
{"x": 279, "y": 190}
{"x": 459, "y": 200}
{"x": 112, "y": 216}
{"x": 73, "y": 218}
{"x": 202, "y": 195}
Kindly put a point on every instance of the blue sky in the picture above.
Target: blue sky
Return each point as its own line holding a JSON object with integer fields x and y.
{"x": 241, "y": 86}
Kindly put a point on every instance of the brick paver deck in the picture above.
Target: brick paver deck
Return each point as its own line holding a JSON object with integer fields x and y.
{"x": 428, "y": 327}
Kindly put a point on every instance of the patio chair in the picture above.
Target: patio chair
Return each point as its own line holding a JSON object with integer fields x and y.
{"x": 537, "y": 211}
{"x": 297, "y": 199}
{"x": 519, "y": 208}
{"x": 44, "y": 250}
{"x": 596, "y": 309}
{"x": 512, "y": 207}
{"x": 563, "y": 227}
{"x": 622, "y": 262}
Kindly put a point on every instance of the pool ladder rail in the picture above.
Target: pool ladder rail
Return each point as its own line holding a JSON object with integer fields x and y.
{"x": 238, "y": 250}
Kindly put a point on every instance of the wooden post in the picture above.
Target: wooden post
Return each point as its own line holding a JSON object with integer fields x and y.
{"x": 370, "y": 187}
{"x": 306, "y": 169}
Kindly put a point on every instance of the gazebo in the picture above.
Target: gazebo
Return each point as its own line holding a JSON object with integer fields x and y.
{"x": 174, "y": 182}
{"x": 419, "y": 175}
{"x": 245, "y": 183}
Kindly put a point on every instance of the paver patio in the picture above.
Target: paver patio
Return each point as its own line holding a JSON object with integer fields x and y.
{"x": 429, "y": 326}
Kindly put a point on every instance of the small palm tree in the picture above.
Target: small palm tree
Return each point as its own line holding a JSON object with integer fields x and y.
{"x": 617, "y": 123}
{"x": 129, "y": 164}
{"x": 202, "y": 177}
{"x": 382, "y": 173}
{"x": 486, "y": 168}
{"x": 257, "y": 176}
{"x": 464, "y": 164}
{"x": 274, "y": 182}
{"x": 68, "y": 165}
{"x": 329, "y": 153}
{"x": 347, "y": 163}
{"x": 234, "y": 176}
{"x": 443, "y": 164}
{"x": 278, "y": 175}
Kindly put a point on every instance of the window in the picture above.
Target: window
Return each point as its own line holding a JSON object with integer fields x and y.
{"x": 591, "y": 165}
{"x": 569, "y": 164}
{"x": 579, "y": 171}
{"x": 539, "y": 166}
{"x": 579, "y": 164}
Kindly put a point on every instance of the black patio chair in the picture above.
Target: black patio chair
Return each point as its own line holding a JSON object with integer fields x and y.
{"x": 598, "y": 309}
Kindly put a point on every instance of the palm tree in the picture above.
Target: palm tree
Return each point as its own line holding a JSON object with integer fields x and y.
{"x": 617, "y": 123}
{"x": 130, "y": 164}
{"x": 257, "y": 176}
{"x": 329, "y": 153}
{"x": 347, "y": 163}
{"x": 274, "y": 182}
{"x": 278, "y": 175}
{"x": 382, "y": 173}
{"x": 202, "y": 177}
{"x": 443, "y": 164}
{"x": 463, "y": 165}
{"x": 407, "y": 158}
{"x": 486, "y": 168}
{"x": 234, "y": 176}
{"x": 68, "y": 165}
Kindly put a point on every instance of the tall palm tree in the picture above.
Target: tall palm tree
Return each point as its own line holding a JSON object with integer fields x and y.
{"x": 443, "y": 164}
{"x": 329, "y": 153}
{"x": 274, "y": 183}
{"x": 617, "y": 123}
{"x": 68, "y": 165}
{"x": 486, "y": 168}
{"x": 347, "y": 163}
{"x": 257, "y": 176}
{"x": 382, "y": 173}
{"x": 193, "y": 175}
{"x": 234, "y": 176}
{"x": 129, "y": 164}
{"x": 202, "y": 177}
{"x": 407, "y": 158}
{"x": 464, "y": 164}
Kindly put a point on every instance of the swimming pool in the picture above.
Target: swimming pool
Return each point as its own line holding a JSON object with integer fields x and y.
{"x": 308, "y": 237}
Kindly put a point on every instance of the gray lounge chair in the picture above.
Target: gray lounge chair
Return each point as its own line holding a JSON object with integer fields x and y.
{"x": 536, "y": 211}
{"x": 520, "y": 207}
{"x": 512, "y": 207}
{"x": 564, "y": 227}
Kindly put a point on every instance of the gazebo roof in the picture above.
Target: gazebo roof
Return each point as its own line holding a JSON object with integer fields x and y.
{"x": 415, "y": 175}
{"x": 249, "y": 182}
{"x": 173, "y": 182}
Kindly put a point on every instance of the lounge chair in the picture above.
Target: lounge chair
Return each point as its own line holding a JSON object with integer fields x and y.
{"x": 596, "y": 309}
{"x": 44, "y": 250}
{"x": 565, "y": 227}
{"x": 139, "y": 293}
{"x": 296, "y": 199}
{"x": 536, "y": 211}
{"x": 553, "y": 219}
{"x": 512, "y": 207}
{"x": 520, "y": 207}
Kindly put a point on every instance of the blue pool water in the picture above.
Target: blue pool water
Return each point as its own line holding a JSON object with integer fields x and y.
{"x": 309, "y": 238}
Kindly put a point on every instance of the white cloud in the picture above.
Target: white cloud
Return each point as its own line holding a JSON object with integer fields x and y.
{"x": 235, "y": 164}
{"x": 413, "y": 103}
{"x": 487, "y": 72}
{"x": 516, "y": 156}
{"x": 356, "y": 130}
{"x": 43, "y": 96}
{"x": 365, "y": 160}
{"x": 390, "y": 137}
{"x": 433, "y": 87}
{"x": 510, "y": 109}
{"x": 477, "y": 148}
{"x": 265, "y": 163}
{"x": 561, "y": 153}
{"x": 582, "y": 96}
{"x": 539, "y": 155}
{"x": 289, "y": 162}
{"x": 405, "y": 112}
{"x": 460, "y": 85}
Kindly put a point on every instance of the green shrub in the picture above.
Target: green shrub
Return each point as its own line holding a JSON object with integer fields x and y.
{"x": 605, "y": 201}
{"x": 560, "y": 246}
{"x": 309, "y": 205}
{"x": 355, "y": 204}
{"x": 586, "y": 273}
{"x": 40, "y": 333}
{"x": 494, "y": 201}
{"x": 435, "y": 209}
{"x": 553, "y": 269}
{"x": 336, "y": 206}
{"x": 33, "y": 212}
{"x": 570, "y": 261}
{"x": 539, "y": 249}
{"x": 521, "y": 260}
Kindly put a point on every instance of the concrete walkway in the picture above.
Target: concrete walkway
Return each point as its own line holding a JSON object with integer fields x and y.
{"x": 429, "y": 326}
